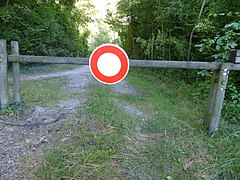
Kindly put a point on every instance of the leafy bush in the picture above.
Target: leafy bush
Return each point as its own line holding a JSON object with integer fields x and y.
{"x": 220, "y": 47}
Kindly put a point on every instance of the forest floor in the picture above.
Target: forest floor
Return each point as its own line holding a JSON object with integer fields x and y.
{"x": 141, "y": 128}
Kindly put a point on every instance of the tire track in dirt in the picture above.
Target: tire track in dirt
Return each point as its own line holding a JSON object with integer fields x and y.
{"x": 136, "y": 142}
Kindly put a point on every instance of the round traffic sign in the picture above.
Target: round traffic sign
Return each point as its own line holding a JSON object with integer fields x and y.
{"x": 109, "y": 64}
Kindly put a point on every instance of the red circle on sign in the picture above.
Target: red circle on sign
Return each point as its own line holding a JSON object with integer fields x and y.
{"x": 114, "y": 49}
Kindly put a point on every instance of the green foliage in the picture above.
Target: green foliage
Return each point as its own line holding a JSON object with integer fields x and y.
{"x": 155, "y": 29}
{"x": 100, "y": 38}
{"x": 232, "y": 104}
{"x": 7, "y": 111}
{"x": 221, "y": 45}
{"x": 161, "y": 30}
{"x": 46, "y": 28}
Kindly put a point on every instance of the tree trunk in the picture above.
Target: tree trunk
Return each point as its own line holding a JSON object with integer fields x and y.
{"x": 169, "y": 47}
{"x": 152, "y": 48}
{"x": 191, "y": 35}
{"x": 163, "y": 55}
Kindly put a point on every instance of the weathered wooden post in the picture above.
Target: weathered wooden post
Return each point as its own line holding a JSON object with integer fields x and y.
{"x": 16, "y": 73}
{"x": 211, "y": 98}
{"x": 219, "y": 97}
{"x": 3, "y": 74}
{"x": 235, "y": 56}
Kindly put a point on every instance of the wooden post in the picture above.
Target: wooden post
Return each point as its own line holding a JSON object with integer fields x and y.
{"x": 3, "y": 74}
{"x": 211, "y": 98}
{"x": 219, "y": 98}
{"x": 16, "y": 73}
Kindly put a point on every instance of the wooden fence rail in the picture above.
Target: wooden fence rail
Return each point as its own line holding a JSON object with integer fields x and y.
{"x": 48, "y": 59}
{"x": 216, "y": 93}
{"x": 133, "y": 63}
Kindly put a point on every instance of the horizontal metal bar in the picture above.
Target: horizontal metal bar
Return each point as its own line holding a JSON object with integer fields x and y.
{"x": 133, "y": 63}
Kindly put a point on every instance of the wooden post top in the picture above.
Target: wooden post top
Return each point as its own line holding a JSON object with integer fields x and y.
{"x": 235, "y": 56}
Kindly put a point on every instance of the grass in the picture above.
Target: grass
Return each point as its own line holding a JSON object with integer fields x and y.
{"x": 186, "y": 151}
{"x": 45, "y": 92}
{"x": 111, "y": 144}
{"x": 42, "y": 92}
{"x": 35, "y": 91}
{"x": 95, "y": 149}
{"x": 39, "y": 92}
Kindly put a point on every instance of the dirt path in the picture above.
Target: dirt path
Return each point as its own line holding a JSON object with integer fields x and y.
{"x": 17, "y": 143}
{"x": 77, "y": 71}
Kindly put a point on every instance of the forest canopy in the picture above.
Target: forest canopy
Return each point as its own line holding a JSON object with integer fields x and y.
{"x": 47, "y": 27}
{"x": 163, "y": 29}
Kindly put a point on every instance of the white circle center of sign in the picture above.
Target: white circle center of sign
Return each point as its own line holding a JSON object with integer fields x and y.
{"x": 109, "y": 64}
